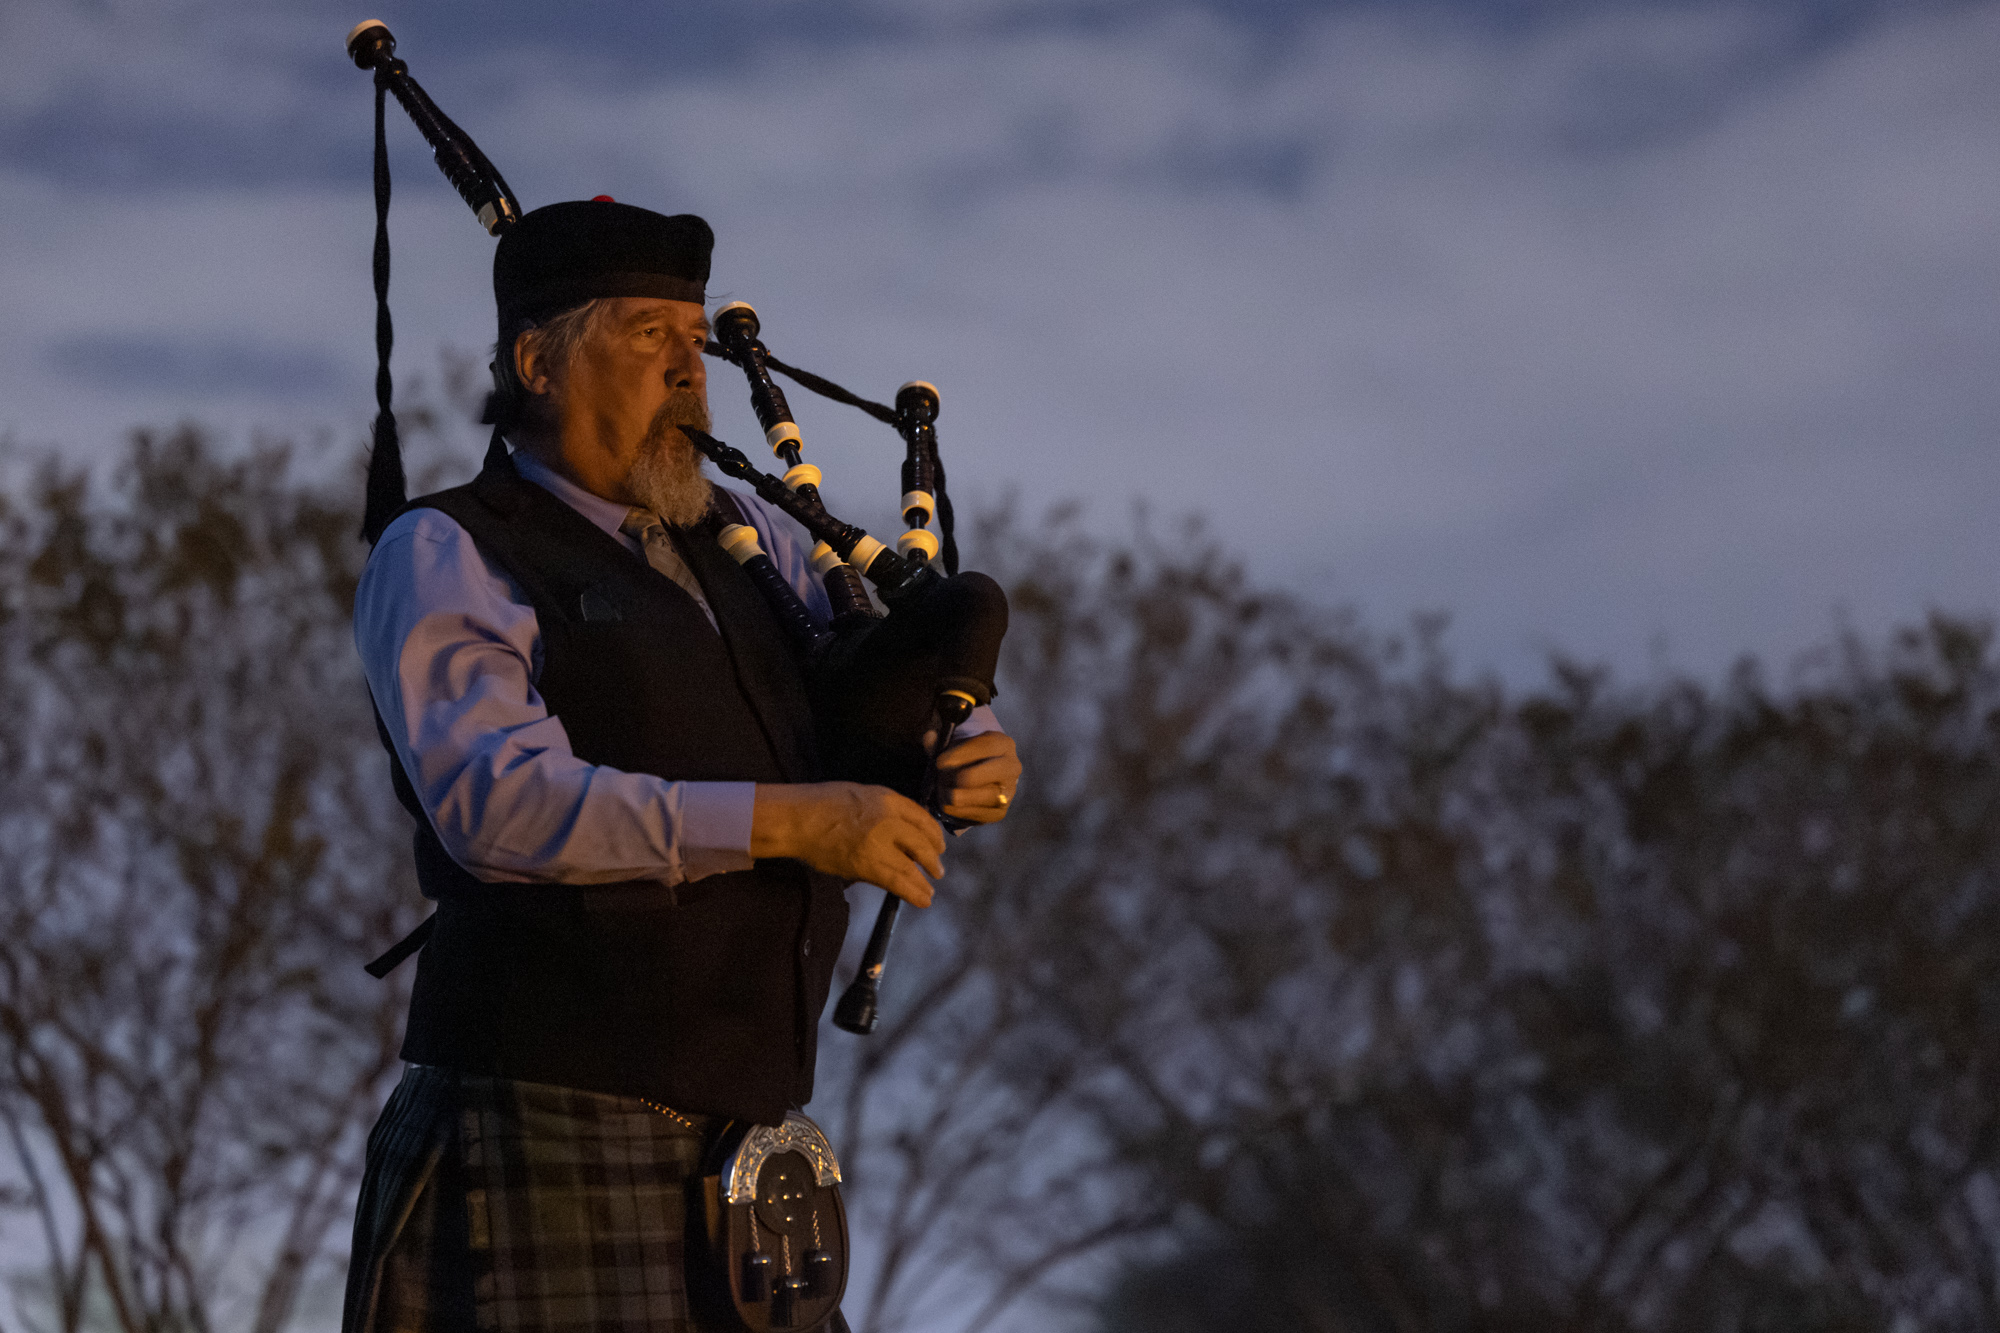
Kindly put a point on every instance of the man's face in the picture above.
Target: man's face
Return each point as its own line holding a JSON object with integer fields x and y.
{"x": 637, "y": 373}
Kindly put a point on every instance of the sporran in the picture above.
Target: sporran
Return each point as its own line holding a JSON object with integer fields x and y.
{"x": 767, "y": 1231}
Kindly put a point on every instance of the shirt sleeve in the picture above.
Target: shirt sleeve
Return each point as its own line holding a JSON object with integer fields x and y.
{"x": 452, "y": 651}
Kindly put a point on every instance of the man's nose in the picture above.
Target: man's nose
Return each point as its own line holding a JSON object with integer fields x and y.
{"x": 689, "y": 372}
{"x": 685, "y": 367}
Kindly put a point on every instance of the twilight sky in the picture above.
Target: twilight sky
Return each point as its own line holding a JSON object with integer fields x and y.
{"x": 1653, "y": 332}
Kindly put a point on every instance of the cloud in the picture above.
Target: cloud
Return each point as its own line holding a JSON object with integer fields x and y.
{"x": 151, "y": 364}
{"x": 1613, "y": 322}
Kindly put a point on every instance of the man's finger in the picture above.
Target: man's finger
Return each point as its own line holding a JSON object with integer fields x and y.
{"x": 983, "y": 786}
{"x": 903, "y": 808}
{"x": 912, "y": 816}
{"x": 973, "y": 749}
{"x": 984, "y": 770}
{"x": 919, "y": 842}
{"x": 913, "y": 889}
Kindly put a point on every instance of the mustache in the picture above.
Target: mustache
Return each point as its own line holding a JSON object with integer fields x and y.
{"x": 684, "y": 407}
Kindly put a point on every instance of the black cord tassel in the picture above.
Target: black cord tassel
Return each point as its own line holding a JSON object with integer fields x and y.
{"x": 387, "y": 489}
{"x": 826, "y": 388}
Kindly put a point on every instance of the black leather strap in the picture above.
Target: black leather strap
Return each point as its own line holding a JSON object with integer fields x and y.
{"x": 392, "y": 957}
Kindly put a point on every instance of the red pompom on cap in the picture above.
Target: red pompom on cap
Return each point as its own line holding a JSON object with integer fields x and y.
{"x": 602, "y": 199}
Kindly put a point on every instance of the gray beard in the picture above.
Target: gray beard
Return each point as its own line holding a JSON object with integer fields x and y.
{"x": 666, "y": 477}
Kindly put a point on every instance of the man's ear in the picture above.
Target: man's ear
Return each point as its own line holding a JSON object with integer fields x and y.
{"x": 529, "y": 364}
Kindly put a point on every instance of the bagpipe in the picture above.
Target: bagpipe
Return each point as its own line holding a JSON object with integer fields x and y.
{"x": 888, "y": 691}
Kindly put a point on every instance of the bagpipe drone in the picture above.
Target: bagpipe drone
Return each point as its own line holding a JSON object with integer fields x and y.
{"x": 888, "y": 692}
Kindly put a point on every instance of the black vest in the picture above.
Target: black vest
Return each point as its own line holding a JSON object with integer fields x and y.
{"x": 705, "y": 996}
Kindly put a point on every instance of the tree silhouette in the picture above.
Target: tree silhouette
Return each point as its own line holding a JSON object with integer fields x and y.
{"x": 198, "y": 858}
{"x": 1684, "y": 1018}
{"x": 1309, "y": 985}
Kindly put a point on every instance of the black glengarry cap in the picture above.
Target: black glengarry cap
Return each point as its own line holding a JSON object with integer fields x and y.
{"x": 565, "y": 254}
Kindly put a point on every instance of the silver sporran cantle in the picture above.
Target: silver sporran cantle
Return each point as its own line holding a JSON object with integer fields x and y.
{"x": 769, "y": 1247}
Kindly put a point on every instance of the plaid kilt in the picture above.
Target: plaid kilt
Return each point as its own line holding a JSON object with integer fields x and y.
{"x": 491, "y": 1205}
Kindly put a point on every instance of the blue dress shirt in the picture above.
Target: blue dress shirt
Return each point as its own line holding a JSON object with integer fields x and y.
{"x": 451, "y": 650}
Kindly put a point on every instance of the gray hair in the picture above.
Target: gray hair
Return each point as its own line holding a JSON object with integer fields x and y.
{"x": 557, "y": 338}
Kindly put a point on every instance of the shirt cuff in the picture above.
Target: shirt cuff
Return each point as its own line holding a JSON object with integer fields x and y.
{"x": 714, "y": 824}
{"x": 979, "y": 723}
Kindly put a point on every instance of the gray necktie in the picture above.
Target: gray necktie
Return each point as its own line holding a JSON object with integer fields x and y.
{"x": 661, "y": 555}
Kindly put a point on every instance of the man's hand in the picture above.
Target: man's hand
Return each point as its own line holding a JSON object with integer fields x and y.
{"x": 977, "y": 777}
{"x": 853, "y": 832}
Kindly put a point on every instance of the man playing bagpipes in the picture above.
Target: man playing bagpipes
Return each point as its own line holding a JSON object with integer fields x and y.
{"x": 608, "y": 743}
